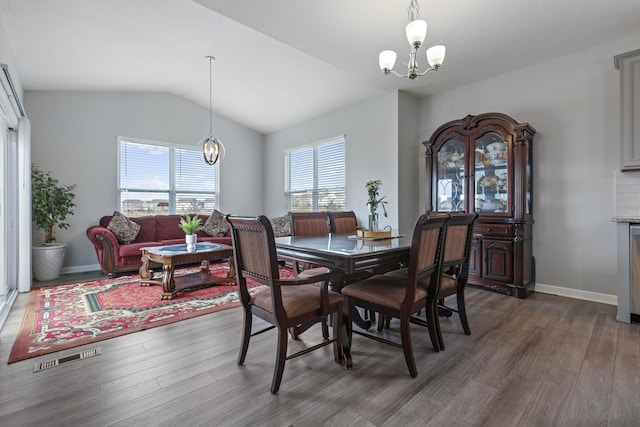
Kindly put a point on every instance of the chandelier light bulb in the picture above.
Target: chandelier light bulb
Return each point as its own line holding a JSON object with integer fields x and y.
{"x": 387, "y": 60}
{"x": 435, "y": 55}
{"x": 416, "y": 32}
{"x": 212, "y": 150}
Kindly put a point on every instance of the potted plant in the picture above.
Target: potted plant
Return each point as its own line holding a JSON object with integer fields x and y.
{"x": 51, "y": 204}
{"x": 190, "y": 226}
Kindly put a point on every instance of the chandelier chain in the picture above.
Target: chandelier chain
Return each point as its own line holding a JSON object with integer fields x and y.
{"x": 413, "y": 11}
{"x": 212, "y": 148}
{"x": 211, "y": 59}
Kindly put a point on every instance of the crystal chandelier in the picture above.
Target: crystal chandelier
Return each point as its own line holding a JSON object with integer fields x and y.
{"x": 212, "y": 148}
{"x": 416, "y": 32}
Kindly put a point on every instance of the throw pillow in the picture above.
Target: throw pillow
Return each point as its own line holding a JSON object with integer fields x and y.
{"x": 123, "y": 228}
{"x": 216, "y": 225}
{"x": 281, "y": 226}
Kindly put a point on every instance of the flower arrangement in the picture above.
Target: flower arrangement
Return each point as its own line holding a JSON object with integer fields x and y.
{"x": 373, "y": 188}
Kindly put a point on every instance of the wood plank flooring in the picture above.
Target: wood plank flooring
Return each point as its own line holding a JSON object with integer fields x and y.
{"x": 543, "y": 361}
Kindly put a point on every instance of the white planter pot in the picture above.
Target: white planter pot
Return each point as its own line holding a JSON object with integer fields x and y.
{"x": 47, "y": 261}
{"x": 191, "y": 240}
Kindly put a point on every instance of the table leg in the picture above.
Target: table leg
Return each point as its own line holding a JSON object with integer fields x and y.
{"x": 146, "y": 274}
{"x": 168, "y": 284}
{"x": 346, "y": 337}
{"x": 360, "y": 321}
{"x": 357, "y": 318}
{"x": 232, "y": 268}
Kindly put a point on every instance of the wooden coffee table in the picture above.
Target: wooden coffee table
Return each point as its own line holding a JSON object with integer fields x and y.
{"x": 173, "y": 255}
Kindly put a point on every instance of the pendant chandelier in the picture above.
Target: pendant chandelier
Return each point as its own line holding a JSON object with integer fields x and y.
{"x": 212, "y": 148}
{"x": 416, "y": 33}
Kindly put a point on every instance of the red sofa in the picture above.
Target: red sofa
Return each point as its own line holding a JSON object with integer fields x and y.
{"x": 116, "y": 257}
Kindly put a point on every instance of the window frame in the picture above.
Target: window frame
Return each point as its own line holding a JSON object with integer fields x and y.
{"x": 314, "y": 190}
{"x": 172, "y": 191}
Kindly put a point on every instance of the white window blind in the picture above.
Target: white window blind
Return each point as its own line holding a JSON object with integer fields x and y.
{"x": 159, "y": 178}
{"x": 316, "y": 176}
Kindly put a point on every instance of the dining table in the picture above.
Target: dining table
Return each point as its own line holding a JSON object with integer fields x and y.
{"x": 347, "y": 254}
{"x": 350, "y": 255}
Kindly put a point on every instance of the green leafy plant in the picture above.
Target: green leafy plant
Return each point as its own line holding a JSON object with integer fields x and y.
{"x": 190, "y": 225}
{"x": 51, "y": 202}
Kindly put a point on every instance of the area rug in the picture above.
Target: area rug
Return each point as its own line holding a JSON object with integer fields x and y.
{"x": 65, "y": 316}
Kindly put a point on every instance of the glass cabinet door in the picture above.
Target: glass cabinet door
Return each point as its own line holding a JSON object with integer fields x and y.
{"x": 450, "y": 185}
{"x": 491, "y": 174}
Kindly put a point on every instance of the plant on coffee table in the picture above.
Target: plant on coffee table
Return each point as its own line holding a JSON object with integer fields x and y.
{"x": 190, "y": 226}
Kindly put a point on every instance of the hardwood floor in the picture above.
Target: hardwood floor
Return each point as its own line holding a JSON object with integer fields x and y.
{"x": 543, "y": 361}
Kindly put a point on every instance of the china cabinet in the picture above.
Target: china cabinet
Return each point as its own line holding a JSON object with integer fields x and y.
{"x": 484, "y": 164}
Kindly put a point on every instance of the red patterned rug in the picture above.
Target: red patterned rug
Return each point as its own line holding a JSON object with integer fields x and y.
{"x": 65, "y": 316}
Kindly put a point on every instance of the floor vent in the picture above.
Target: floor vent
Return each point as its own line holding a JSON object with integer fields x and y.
{"x": 41, "y": 366}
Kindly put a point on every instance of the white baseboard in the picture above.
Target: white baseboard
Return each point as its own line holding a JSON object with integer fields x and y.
{"x": 80, "y": 269}
{"x": 577, "y": 294}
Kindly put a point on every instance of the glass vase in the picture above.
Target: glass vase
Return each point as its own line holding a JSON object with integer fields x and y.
{"x": 373, "y": 221}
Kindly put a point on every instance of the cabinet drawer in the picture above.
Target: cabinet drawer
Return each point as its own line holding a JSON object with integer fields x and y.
{"x": 501, "y": 230}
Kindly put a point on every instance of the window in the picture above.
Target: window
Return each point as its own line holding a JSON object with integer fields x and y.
{"x": 156, "y": 178}
{"x": 315, "y": 176}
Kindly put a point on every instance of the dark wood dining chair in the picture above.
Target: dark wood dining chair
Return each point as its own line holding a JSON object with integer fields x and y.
{"x": 401, "y": 298}
{"x": 284, "y": 303}
{"x": 308, "y": 224}
{"x": 455, "y": 267}
{"x": 344, "y": 222}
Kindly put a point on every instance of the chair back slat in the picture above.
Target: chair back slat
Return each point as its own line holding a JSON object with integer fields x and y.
{"x": 253, "y": 253}
{"x": 457, "y": 244}
{"x": 254, "y": 250}
{"x": 309, "y": 224}
{"x": 426, "y": 253}
{"x": 343, "y": 222}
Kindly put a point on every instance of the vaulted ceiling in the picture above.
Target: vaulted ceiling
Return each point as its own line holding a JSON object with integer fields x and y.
{"x": 281, "y": 62}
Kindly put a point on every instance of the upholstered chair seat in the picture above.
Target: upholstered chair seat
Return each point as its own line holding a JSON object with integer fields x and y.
{"x": 383, "y": 290}
{"x": 296, "y": 300}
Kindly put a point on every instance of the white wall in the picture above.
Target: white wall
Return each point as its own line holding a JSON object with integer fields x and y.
{"x": 74, "y": 136}
{"x": 573, "y": 103}
{"x": 371, "y": 134}
{"x": 410, "y": 161}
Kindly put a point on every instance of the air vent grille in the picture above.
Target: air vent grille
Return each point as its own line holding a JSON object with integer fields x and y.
{"x": 41, "y": 366}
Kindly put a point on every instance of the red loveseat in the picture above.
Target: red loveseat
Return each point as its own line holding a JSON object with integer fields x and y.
{"x": 116, "y": 257}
